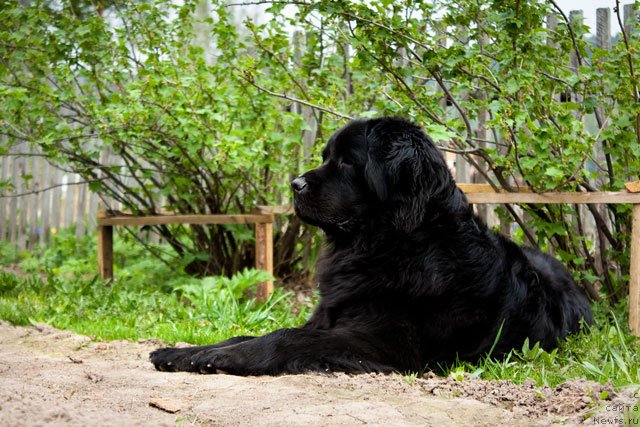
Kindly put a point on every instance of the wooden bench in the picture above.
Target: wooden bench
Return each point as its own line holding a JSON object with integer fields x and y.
{"x": 263, "y": 229}
{"x": 476, "y": 194}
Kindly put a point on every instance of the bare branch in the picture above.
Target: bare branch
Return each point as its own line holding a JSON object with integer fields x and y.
{"x": 292, "y": 99}
{"x": 261, "y": 2}
{"x": 456, "y": 151}
{"x": 571, "y": 33}
{"x": 38, "y": 191}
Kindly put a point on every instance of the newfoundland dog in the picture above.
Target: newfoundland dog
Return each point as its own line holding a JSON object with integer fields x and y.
{"x": 410, "y": 277}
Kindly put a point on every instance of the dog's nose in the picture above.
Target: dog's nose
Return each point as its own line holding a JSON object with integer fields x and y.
{"x": 299, "y": 184}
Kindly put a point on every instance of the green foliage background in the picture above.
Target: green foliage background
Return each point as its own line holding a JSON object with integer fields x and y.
{"x": 208, "y": 115}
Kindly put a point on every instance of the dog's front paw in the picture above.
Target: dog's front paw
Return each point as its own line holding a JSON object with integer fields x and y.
{"x": 171, "y": 359}
{"x": 217, "y": 361}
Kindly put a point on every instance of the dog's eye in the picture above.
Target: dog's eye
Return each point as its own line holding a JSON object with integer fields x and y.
{"x": 345, "y": 162}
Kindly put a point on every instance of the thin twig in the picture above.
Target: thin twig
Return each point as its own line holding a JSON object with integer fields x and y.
{"x": 292, "y": 99}
{"x": 38, "y": 191}
{"x": 257, "y": 3}
{"x": 634, "y": 81}
{"x": 571, "y": 33}
{"x": 456, "y": 151}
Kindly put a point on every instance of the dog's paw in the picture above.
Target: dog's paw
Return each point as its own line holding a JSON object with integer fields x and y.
{"x": 216, "y": 361}
{"x": 197, "y": 359}
{"x": 171, "y": 359}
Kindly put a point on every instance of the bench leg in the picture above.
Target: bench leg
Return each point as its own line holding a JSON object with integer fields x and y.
{"x": 264, "y": 257}
{"x": 105, "y": 251}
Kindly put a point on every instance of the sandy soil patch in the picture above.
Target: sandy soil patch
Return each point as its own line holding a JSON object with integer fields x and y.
{"x": 53, "y": 377}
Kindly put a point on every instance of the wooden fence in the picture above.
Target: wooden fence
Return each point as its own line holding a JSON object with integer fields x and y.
{"x": 44, "y": 199}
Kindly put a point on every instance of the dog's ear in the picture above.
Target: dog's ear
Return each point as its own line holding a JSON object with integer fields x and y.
{"x": 405, "y": 170}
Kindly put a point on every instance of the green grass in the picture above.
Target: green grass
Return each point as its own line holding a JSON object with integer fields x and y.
{"x": 605, "y": 353}
{"x": 149, "y": 299}
{"x": 153, "y": 300}
{"x": 128, "y": 310}
{"x": 631, "y": 414}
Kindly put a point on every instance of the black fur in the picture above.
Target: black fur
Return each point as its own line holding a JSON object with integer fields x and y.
{"x": 411, "y": 277}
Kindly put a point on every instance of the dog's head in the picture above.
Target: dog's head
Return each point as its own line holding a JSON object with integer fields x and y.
{"x": 383, "y": 171}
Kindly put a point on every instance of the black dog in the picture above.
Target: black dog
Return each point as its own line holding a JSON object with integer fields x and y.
{"x": 411, "y": 276}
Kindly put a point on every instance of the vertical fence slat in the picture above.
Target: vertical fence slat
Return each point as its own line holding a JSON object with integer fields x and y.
{"x": 81, "y": 206}
{"x": 93, "y": 211}
{"x": 23, "y": 211}
{"x": 16, "y": 180}
{"x": 4, "y": 175}
{"x": 69, "y": 200}
{"x": 56, "y": 203}
{"x": 603, "y": 28}
{"x": 45, "y": 218}
{"x": 105, "y": 159}
{"x": 603, "y": 42}
{"x": 629, "y": 18}
{"x": 576, "y": 17}
{"x": 36, "y": 173}
{"x": 552, "y": 24}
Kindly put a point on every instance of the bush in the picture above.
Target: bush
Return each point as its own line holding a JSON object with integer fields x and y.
{"x": 124, "y": 97}
{"x": 521, "y": 103}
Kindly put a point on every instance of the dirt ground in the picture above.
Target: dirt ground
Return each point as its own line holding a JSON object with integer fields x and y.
{"x": 52, "y": 377}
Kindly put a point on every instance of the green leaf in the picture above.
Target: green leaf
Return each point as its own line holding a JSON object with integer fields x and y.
{"x": 554, "y": 172}
{"x": 439, "y": 133}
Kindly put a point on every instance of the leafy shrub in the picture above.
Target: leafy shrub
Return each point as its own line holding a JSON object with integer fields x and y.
{"x": 126, "y": 99}
{"x": 520, "y": 102}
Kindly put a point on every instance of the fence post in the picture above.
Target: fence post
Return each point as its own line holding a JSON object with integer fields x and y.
{"x": 4, "y": 174}
{"x": 628, "y": 18}
{"x": 481, "y": 135}
{"x": 18, "y": 170}
{"x": 264, "y": 257}
{"x": 37, "y": 184}
{"x": 105, "y": 248}
{"x": 45, "y": 216}
{"x": 634, "y": 274}
{"x": 576, "y": 18}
